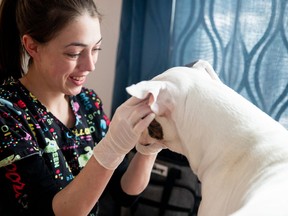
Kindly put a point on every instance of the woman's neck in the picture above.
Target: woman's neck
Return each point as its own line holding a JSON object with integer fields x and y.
{"x": 56, "y": 103}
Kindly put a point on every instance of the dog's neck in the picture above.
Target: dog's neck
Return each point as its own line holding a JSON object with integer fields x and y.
{"x": 220, "y": 130}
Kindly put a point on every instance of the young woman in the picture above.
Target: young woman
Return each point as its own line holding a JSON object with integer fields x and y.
{"x": 56, "y": 152}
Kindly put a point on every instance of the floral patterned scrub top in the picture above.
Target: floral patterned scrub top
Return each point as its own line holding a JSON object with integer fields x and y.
{"x": 39, "y": 155}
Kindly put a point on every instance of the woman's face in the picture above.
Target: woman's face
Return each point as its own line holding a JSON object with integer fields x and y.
{"x": 64, "y": 62}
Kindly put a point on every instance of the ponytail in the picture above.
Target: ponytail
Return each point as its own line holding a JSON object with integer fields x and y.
{"x": 11, "y": 50}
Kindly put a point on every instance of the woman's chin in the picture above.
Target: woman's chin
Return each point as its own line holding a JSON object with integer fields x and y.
{"x": 74, "y": 91}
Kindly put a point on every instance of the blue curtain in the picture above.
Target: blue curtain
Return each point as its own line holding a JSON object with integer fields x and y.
{"x": 246, "y": 41}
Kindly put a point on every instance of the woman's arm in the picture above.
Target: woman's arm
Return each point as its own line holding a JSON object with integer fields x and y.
{"x": 85, "y": 190}
{"x": 138, "y": 173}
{"x": 128, "y": 123}
{"x": 79, "y": 197}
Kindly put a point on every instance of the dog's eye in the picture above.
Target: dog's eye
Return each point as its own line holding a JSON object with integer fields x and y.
{"x": 155, "y": 130}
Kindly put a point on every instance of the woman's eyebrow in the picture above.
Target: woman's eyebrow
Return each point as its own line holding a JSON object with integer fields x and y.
{"x": 99, "y": 40}
{"x": 76, "y": 44}
{"x": 81, "y": 44}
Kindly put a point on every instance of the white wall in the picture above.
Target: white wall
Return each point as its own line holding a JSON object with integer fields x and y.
{"x": 102, "y": 80}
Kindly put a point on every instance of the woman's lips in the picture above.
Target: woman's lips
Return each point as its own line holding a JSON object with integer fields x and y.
{"x": 78, "y": 80}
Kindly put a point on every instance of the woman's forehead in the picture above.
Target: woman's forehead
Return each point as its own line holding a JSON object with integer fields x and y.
{"x": 82, "y": 30}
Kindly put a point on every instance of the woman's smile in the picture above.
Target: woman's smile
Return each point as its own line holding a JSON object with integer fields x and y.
{"x": 78, "y": 80}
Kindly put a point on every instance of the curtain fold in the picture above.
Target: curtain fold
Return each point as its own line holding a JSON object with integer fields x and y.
{"x": 246, "y": 41}
{"x": 143, "y": 46}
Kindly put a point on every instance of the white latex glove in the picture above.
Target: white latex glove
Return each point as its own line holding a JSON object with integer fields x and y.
{"x": 150, "y": 149}
{"x": 128, "y": 123}
{"x": 150, "y": 142}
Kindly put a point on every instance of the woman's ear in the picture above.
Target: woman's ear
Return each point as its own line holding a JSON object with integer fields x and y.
{"x": 30, "y": 45}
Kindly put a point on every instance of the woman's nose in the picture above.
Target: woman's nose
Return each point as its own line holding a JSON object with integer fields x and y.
{"x": 88, "y": 63}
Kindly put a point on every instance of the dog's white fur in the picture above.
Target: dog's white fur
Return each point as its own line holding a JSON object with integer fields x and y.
{"x": 238, "y": 152}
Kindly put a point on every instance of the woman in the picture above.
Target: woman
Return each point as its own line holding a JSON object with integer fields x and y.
{"x": 56, "y": 152}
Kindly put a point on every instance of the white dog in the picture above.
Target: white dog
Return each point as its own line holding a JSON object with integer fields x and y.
{"x": 238, "y": 152}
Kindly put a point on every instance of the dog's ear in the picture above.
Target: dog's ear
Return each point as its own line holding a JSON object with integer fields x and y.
{"x": 206, "y": 66}
{"x": 151, "y": 89}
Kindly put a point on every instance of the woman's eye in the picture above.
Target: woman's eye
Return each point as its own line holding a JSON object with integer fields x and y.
{"x": 73, "y": 55}
{"x": 97, "y": 49}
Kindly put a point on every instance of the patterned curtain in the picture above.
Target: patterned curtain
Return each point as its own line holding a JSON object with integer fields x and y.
{"x": 246, "y": 41}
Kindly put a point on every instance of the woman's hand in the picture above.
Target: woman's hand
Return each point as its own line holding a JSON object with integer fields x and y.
{"x": 150, "y": 149}
{"x": 127, "y": 125}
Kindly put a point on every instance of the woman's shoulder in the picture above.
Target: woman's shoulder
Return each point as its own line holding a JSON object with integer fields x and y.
{"x": 11, "y": 91}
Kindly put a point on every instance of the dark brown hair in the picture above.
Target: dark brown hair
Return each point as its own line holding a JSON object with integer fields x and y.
{"x": 41, "y": 19}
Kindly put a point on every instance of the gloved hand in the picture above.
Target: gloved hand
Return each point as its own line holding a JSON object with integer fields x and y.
{"x": 151, "y": 139}
{"x": 128, "y": 122}
{"x": 150, "y": 149}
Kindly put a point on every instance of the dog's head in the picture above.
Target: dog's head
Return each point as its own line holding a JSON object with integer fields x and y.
{"x": 170, "y": 100}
